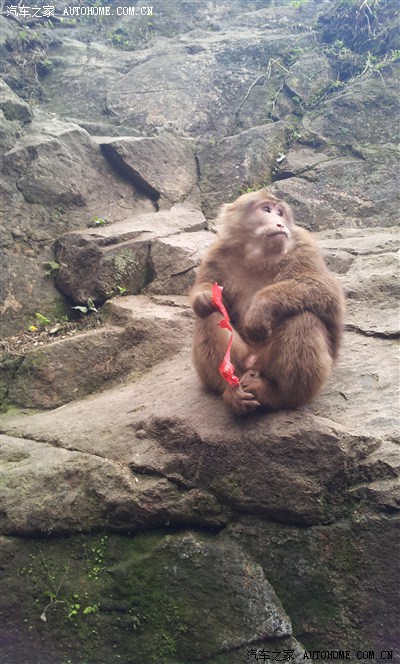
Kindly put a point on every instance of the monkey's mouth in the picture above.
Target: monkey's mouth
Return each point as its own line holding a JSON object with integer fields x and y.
{"x": 277, "y": 233}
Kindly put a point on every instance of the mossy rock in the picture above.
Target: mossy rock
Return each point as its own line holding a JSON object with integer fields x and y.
{"x": 174, "y": 598}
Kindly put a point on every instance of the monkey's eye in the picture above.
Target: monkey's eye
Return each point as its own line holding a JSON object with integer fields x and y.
{"x": 266, "y": 208}
{"x": 280, "y": 212}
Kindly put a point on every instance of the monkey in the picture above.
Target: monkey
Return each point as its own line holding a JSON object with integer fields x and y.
{"x": 286, "y": 308}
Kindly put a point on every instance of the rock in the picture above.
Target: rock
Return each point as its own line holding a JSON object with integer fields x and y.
{"x": 368, "y": 276}
{"x": 8, "y": 132}
{"x": 300, "y": 161}
{"x": 349, "y": 180}
{"x": 262, "y": 466}
{"x": 366, "y": 367}
{"x": 170, "y": 593}
{"x": 175, "y": 260}
{"x": 13, "y": 107}
{"x": 104, "y": 268}
{"x": 139, "y": 333}
{"x": 95, "y": 264}
{"x": 379, "y": 479}
{"x": 103, "y": 494}
{"x": 54, "y": 179}
{"x": 104, "y": 129}
{"x": 373, "y": 320}
{"x": 373, "y": 279}
{"x": 362, "y": 114}
{"x": 163, "y": 166}
{"x": 232, "y": 461}
{"x": 343, "y": 191}
{"x": 34, "y": 159}
{"x": 309, "y": 76}
{"x": 326, "y": 565}
{"x": 83, "y": 70}
{"x": 251, "y": 156}
{"x": 99, "y": 491}
{"x": 221, "y": 72}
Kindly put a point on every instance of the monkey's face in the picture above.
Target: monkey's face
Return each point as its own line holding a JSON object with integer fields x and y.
{"x": 260, "y": 223}
{"x": 270, "y": 225}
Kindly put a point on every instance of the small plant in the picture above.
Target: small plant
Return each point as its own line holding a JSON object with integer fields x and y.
{"x": 91, "y": 609}
{"x": 119, "y": 39}
{"x": 44, "y": 67}
{"x": 98, "y": 563}
{"x": 54, "y": 594}
{"x": 73, "y": 608}
{"x": 122, "y": 290}
{"x": 42, "y": 320}
{"x": 51, "y": 268}
{"x": 98, "y": 222}
{"x": 90, "y": 306}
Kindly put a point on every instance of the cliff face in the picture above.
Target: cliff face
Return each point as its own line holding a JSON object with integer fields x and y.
{"x": 143, "y": 523}
{"x": 104, "y": 117}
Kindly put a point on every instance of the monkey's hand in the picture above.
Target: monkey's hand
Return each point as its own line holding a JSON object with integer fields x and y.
{"x": 203, "y": 304}
{"x": 257, "y": 323}
{"x": 239, "y": 400}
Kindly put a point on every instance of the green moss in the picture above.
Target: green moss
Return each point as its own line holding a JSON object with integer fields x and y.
{"x": 124, "y": 261}
{"x": 127, "y": 271}
{"x": 58, "y": 310}
{"x": 84, "y": 594}
{"x": 146, "y": 598}
{"x": 229, "y": 484}
{"x": 157, "y": 615}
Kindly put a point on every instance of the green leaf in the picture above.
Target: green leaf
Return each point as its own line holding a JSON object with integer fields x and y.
{"x": 82, "y": 309}
{"x": 42, "y": 320}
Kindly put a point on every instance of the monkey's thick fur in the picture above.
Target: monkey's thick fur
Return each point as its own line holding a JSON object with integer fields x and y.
{"x": 285, "y": 306}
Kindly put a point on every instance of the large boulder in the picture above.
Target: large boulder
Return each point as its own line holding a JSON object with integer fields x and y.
{"x": 163, "y": 167}
{"x": 187, "y": 595}
{"x": 302, "y": 487}
{"x": 13, "y": 107}
{"x": 233, "y": 164}
{"x": 54, "y": 179}
{"x": 97, "y": 263}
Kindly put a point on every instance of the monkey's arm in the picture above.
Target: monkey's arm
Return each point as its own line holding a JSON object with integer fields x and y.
{"x": 201, "y": 299}
{"x": 321, "y": 296}
{"x": 201, "y": 293}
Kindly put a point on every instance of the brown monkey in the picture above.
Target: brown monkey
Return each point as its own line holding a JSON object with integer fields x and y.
{"x": 286, "y": 308}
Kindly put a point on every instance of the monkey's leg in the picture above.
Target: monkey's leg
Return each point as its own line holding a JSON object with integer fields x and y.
{"x": 209, "y": 347}
{"x": 210, "y": 342}
{"x": 294, "y": 364}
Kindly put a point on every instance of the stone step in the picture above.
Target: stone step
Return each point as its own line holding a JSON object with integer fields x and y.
{"x": 138, "y": 333}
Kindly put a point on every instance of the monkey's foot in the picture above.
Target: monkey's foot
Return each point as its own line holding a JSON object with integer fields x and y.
{"x": 239, "y": 400}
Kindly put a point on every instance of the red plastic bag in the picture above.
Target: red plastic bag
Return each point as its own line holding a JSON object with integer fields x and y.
{"x": 226, "y": 368}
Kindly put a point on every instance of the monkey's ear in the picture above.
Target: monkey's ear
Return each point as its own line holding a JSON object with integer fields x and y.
{"x": 222, "y": 214}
